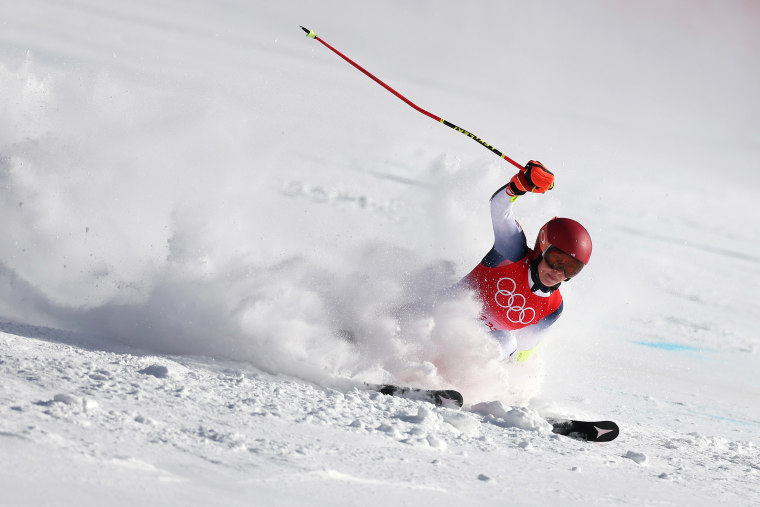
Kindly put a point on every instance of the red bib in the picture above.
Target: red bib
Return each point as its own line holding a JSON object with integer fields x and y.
{"x": 507, "y": 300}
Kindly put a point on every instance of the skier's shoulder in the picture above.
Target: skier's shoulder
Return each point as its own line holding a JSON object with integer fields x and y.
{"x": 499, "y": 256}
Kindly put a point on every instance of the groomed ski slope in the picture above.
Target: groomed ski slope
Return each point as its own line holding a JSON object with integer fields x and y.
{"x": 210, "y": 223}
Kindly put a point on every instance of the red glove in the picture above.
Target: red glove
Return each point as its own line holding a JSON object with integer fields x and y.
{"x": 533, "y": 178}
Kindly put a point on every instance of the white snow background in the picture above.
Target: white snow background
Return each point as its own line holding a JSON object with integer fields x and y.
{"x": 208, "y": 223}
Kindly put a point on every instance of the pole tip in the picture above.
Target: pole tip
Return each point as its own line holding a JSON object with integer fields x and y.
{"x": 309, "y": 33}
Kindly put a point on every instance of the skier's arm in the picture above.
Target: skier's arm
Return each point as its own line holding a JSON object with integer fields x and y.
{"x": 527, "y": 339}
{"x": 509, "y": 238}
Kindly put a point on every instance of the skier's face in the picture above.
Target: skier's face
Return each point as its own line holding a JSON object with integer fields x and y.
{"x": 556, "y": 266}
{"x": 548, "y": 276}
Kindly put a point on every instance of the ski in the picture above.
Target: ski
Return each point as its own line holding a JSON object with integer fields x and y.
{"x": 591, "y": 431}
{"x": 440, "y": 397}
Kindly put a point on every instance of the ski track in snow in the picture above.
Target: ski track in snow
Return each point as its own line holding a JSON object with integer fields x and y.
{"x": 340, "y": 197}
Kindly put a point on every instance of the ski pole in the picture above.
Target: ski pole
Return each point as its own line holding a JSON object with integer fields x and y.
{"x": 312, "y": 35}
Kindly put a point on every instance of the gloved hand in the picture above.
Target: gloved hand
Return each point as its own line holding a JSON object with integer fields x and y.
{"x": 533, "y": 178}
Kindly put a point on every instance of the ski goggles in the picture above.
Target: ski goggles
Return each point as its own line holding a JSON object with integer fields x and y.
{"x": 559, "y": 260}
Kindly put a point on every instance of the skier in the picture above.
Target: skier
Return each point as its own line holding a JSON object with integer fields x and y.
{"x": 519, "y": 287}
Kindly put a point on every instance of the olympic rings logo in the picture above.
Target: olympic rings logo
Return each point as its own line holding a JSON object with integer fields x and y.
{"x": 514, "y": 303}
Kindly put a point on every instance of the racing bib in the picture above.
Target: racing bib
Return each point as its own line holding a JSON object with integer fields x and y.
{"x": 507, "y": 300}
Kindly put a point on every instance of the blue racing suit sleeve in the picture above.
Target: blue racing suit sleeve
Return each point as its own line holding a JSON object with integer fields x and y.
{"x": 550, "y": 319}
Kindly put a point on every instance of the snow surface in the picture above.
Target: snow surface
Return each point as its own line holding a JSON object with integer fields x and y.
{"x": 213, "y": 228}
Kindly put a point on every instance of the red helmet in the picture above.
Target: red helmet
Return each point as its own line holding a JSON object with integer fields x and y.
{"x": 567, "y": 235}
